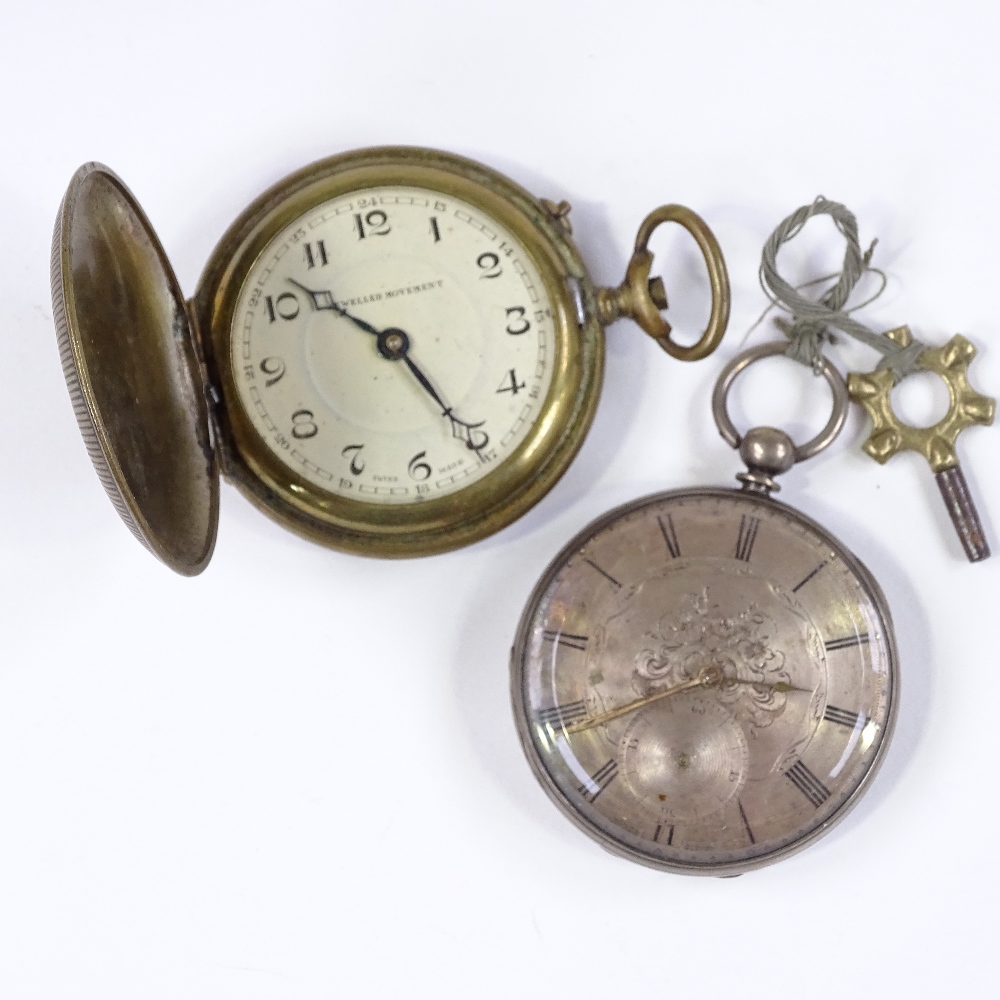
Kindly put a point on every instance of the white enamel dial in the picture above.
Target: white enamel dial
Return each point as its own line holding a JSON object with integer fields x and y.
{"x": 393, "y": 344}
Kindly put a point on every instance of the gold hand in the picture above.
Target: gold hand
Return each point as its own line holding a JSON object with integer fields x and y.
{"x": 781, "y": 686}
{"x": 578, "y": 727}
{"x": 707, "y": 677}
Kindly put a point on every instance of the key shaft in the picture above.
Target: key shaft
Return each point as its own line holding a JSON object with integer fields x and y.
{"x": 963, "y": 513}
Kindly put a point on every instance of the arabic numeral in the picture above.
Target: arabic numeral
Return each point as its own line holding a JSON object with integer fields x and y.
{"x": 357, "y": 465}
{"x": 489, "y": 264}
{"x": 418, "y": 469}
{"x": 375, "y": 223}
{"x": 315, "y": 253}
{"x": 510, "y": 383}
{"x": 304, "y": 424}
{"x": 274, "y": 368}
{"x": 285, "y": 306}
{"x": 520, "y": 323}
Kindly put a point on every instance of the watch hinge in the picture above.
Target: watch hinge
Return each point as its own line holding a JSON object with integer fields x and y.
{"x": 212, "y": 394}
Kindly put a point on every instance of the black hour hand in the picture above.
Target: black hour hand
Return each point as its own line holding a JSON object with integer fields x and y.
{"x": 323, "y": 299}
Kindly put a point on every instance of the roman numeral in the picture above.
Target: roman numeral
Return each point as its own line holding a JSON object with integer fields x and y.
{"x": 841, "y": 716}
{"x": 857, "y": 639}
{"x": 747, "y": 536}
{"x": 746, "y": 822}
{"x": 670, "y": 835}
{"x": 562, "y": 715}
{"x": 808, "y": 784}
{"x": 601, "y": 778}
{"x": 670, "y": 535}
{"x": 802, "y": 583}
{"x": 565, "y": 639}
{"x": 607, "y": 576}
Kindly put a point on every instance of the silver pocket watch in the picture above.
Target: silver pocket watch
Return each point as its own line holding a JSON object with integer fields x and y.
{"x": 705, "y": 680}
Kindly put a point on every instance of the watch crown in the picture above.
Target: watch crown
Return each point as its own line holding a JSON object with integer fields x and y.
{"x": 768, "y": 452}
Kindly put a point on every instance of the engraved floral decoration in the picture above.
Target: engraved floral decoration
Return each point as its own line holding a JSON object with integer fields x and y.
{"x": 741, "y": 645}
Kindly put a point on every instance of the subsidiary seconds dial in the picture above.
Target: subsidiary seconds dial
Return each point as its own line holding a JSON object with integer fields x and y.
{"x": 393, "y": 344}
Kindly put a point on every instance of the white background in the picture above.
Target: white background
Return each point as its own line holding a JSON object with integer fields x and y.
{"x": 296, "y": 776}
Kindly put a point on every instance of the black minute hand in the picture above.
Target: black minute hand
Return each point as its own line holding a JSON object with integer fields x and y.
{"x": 426, "y": 383}
{"x": 325, "y": 300}
{"x": 395, "y": 344}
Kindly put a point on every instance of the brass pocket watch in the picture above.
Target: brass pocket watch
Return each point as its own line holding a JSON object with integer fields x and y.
{"x": 393, "y": 352}
{"x": 705, "y": 680}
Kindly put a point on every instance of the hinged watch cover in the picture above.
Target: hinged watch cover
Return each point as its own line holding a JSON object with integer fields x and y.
{"x": 133, "y": 371}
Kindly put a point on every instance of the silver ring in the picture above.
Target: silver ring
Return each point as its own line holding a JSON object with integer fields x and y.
{"x": 833, "y": 379}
